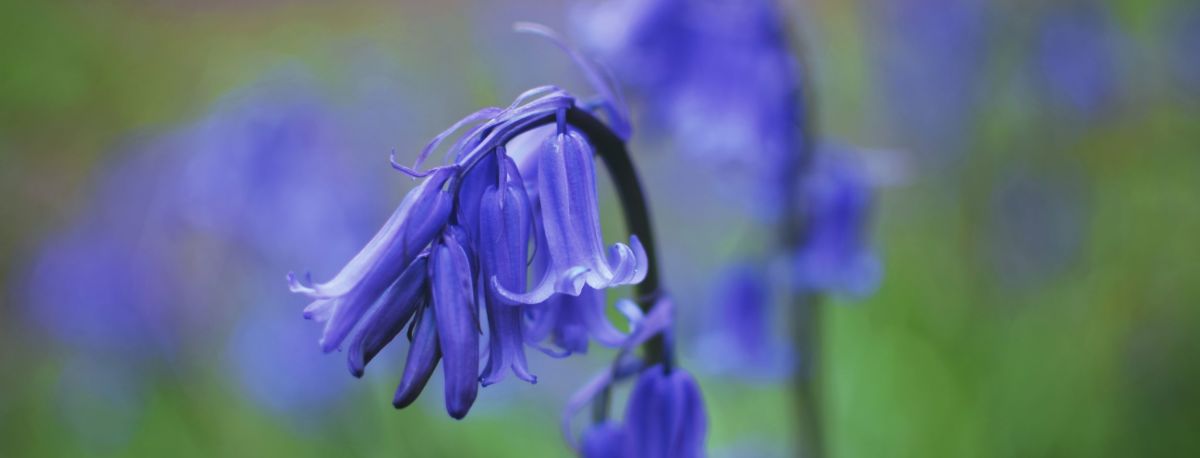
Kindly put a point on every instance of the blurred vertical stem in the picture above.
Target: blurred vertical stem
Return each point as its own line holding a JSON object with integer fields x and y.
{"x": 804, "y": 306}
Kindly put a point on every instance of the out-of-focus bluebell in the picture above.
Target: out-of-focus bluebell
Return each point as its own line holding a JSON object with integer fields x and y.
{"x": 1182, "y": 28}
{"x": 459, "y": 242}
{"x": 186, "y": 232}
{"x": 930, "y": 58}
{"x": 742, "y": 337}
{"x": 100, "y": 285}
{"x": 263, "y": 362}
{"x": 836, "y": 256}
{"x": 1075, "y": 57}
{"x": 267, "y": 170}
{"x": 1037, "y": 224}
{"x": 716, "y": 78}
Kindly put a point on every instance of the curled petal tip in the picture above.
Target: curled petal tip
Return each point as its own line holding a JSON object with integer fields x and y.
{"x": 535, "y": 28}
{"x": 296, "y": 286}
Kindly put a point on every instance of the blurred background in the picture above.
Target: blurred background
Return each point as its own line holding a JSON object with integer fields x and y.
{"x": 166, "y": 163}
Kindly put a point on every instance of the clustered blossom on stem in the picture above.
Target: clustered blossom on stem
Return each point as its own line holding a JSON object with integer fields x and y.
{"x": 665, "y": 413}
{"x": 519, "y": 182}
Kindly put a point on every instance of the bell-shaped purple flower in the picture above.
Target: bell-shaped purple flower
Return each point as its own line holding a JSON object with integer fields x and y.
{"x": 457, "y": 321}
{"x": 570, "y": 218}
{"x": 665, "y": 415}
{"x": 504, "y": 240}
{"x": 343, "y": 301}
{"x": 836, "y": 255}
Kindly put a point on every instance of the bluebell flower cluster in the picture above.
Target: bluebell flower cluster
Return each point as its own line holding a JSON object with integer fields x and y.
{"x": 664, "y": 416}
{"x": 119, "y": 275}
{"x": 519, "y": 182}
{"x": 665, "y": 413}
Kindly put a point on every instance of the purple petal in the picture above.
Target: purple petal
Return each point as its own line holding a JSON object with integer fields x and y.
{"x": 423, "y": 355}
{"x": 396, "y": 307}
{"x": 454, "y": 304}
{"x": 504, "y": 242}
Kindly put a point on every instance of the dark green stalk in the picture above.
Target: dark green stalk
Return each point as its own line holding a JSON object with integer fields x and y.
{"x": 805, "y": 306}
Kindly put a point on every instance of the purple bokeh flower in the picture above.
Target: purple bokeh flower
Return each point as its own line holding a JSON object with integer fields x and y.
{"x": 1076, "y": 57}
{"x": 183, "y": 232}
{"x": 100, "y": 285}
{"x": 1183, "y": 38}
{"x": 743, "y": 336}
{"x": 717, "y": 78}
{"x": 836, "y": 256}
{"x": 931, "y": 57}
{"x": 1038, "y": 227}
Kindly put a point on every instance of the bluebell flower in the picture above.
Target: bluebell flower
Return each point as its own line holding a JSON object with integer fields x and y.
{"x": 212, "y": 192}
{"x": 515, "y": 175}
{"x": 743, "y": 336}
{"x": 1182, "y": 34}
{"x": 717, "y": 78}
{"x": 1075, "y": 56}
{"x": 120, "y": 274}
{"x": 836, "y": 255}
{"x": 665, "y": 414}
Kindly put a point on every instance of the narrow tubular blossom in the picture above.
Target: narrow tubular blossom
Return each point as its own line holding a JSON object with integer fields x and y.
{"x": 571, "y": 220}
{"x": 665, "y": 415}
{"x": 457, "y": 323}
{"x": 505, "y": 230}
{"x": 517, "y": 179}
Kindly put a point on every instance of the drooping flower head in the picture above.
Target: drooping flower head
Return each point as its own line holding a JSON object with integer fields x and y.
{"x": 519, "y": 181}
